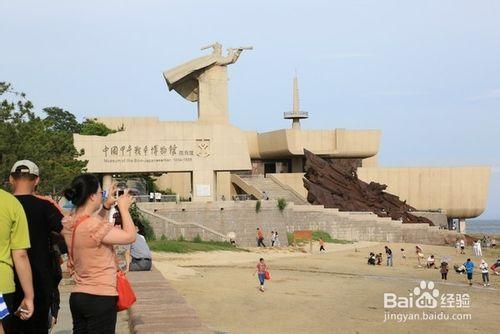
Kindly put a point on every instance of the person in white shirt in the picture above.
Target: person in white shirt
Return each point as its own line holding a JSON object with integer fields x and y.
{"x": 484, "y": 272}
{"x": 462, "y": 246}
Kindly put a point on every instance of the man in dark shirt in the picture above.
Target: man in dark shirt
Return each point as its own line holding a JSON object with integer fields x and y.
{"x": 388, "y": 252}
{"x": 43, "y": 219}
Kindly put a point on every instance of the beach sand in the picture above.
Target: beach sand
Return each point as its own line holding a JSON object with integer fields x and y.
{"x": 333, "y": 292}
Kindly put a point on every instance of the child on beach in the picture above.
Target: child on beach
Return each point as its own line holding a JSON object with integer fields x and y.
{"x": 378, "y": 257}
{"x": 484, "y": 273}
{"x": 321, "y": 245}
{"x": 261, "y": 272}
{"x": 496, "y": 267}
{"x": 273, "y": 238}
{"x": 469, "y": 268}
{"x": 431, "y": 262}
{"x": 371, "y": 259}
{"x": 403, "y": 254}
{"x": 462, "y": 246}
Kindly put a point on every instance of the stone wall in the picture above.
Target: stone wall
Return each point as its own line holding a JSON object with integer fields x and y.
{"x": 242, "y": 219}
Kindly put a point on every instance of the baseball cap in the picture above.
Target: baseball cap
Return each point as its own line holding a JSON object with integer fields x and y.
{"x": 25, "y": 166}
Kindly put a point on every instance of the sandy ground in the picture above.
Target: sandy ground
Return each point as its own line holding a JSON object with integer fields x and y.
{"x": 333, "y": 292}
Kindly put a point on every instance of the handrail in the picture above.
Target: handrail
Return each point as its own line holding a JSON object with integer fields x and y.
{"x": 245, "y": 186}
{"x": 173, "y": 222}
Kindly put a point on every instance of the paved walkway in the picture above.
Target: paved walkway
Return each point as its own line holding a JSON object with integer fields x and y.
{"x": 160, "y": 308}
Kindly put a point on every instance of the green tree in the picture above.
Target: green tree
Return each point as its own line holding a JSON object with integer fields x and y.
{"x": 91, "y": 127}
{"x": 47, "y": 141}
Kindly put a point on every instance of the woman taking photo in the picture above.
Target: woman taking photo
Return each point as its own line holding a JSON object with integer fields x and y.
{"x": 90, "y": 239}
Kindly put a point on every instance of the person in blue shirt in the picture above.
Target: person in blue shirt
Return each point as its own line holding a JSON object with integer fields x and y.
{"x": 469, "y": 268}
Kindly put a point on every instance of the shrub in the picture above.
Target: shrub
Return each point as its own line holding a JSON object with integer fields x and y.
{"x": 323, "y": 235}
{"x": 258, "y": 206}
{"x": 289, "y": 236}
{"x": 163, "y": 237}
{"x": 142, "y": 222}
{"x": 197, "y": 239}
{"x": 281, "y": 204}
{"x": 181, "y": 238}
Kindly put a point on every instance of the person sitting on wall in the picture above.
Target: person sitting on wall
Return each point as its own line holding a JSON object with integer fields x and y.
{"x": 140, "y": 253}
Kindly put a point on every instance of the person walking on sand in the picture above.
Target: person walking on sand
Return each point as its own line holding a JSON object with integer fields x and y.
{"x": 388, "y": 252}
{"x": 273, "y": 238}
{"x": 276, "y": 239}
{"x": 469, "y": 269}
{"x": 484, "y": 273}
{"x": 260, "y": 238}
{"x": 462, "y": 246}
{"x": 403, "y": 254}
{"x": 444, "y": 270}
{"x": 262, "y": 268}
{"x": 321, "y": 245}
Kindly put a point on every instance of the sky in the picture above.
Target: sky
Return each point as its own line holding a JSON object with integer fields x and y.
{"x": 427, "y": 73}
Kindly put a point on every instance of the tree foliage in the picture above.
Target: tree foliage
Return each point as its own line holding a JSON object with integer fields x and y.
{"x": 45, "y": 138}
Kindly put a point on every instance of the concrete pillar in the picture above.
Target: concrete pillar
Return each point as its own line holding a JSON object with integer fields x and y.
{"x": 203, "y": 186}
{"x": 223, "y": 182}
{"x": 461, "y": 225}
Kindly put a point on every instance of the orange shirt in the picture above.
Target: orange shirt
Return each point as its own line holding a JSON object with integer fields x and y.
{"x": 93, "y": 265}
{"x": 259, "y": 234}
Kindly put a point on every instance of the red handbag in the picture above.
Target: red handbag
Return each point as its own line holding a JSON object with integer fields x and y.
{"x": 126, "y": 295}
{"x": 268, "y": 275}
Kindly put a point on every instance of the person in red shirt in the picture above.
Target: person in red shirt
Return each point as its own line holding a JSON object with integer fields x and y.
{"x": 260, "y": 238}
{"x": 261, "y": 273}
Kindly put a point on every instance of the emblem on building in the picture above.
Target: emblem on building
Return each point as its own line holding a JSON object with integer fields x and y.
{"x": 203, "y": 148}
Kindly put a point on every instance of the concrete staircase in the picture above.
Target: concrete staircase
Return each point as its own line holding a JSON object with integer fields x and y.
{"x": 274, "y": 189}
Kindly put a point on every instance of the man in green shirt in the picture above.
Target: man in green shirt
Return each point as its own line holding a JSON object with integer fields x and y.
{"x": 14, "y": 240}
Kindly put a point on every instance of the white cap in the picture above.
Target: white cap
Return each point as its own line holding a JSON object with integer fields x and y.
{"x": 25, "y": 166}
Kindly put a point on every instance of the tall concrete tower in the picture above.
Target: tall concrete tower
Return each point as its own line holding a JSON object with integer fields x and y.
{"x": 296, "y": 114}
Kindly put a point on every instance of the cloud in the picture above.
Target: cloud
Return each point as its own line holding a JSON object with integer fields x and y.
{"x": 489, "y": 94}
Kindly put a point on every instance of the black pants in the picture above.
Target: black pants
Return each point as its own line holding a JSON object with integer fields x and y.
{"x": 93, "y": 314}
{"x": 444, "y": 276}
{"x": 321, "y": 248}
{"x": 260, "y": 242}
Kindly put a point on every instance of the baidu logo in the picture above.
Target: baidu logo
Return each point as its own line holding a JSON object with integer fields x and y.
{"x": 425, "y": 295}
{"x": 430, "y": 303}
